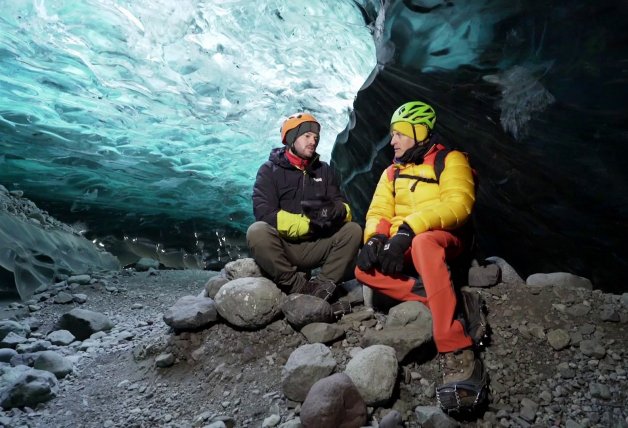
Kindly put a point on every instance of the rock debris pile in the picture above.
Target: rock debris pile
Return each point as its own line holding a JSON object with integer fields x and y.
{"x": 208, "y": 349}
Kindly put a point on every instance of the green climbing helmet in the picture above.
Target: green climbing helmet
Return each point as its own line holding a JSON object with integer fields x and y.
{"x": 416, "y": 113}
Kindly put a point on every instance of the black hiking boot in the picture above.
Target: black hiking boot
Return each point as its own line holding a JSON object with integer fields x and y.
{"x": 318, "y": 287}
{"x": 340, "y": 308}
{"x": 475, "y": 317}
{"x": 464, "y": 386}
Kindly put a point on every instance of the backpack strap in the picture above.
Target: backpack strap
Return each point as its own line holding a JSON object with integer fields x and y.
{"x": 439, "y": 162}
{"x": 439, "y": 165}
{"x": 392, "y": 174}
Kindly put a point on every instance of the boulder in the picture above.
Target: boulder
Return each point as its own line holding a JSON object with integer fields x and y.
{"x": 82, "y": 323}
{"x": 249, "y": 303}
{"x": 191, "y": 313}
{"x": 333, "y": 401}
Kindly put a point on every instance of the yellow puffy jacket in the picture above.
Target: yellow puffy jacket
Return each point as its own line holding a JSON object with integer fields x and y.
{"x": 444, "y": 205}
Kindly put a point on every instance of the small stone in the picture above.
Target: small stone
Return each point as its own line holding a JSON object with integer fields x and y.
{"x": 61, "y": 337}
{"x": 63, "y": 298}
{"x": 609, "y": 314}
{"x": 565, "y": 371}
{"x": 591, "y": 348}
{"x": 80, "y": 298}
{"x": 558, "y": 339}
{"x": 79, "y": 279}
{"x": 599, "y": 390}
{"x": 578, "y": 310}
{"x": 528, "y": 414}
{"x": 164, "y": 360}
{"x": 271, "y": 421}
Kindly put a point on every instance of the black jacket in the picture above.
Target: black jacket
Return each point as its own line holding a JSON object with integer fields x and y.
{"x": 280, "y": 187}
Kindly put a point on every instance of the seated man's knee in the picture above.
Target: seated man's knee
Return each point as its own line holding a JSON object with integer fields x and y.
{"x": 425, "y": 240}
{"x": 353, "y": 232}
{"x": 258, "y": 232}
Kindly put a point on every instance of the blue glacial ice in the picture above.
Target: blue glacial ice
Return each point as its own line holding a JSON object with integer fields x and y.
{"x": 37, "y": 248}
{"x": 147, "y": 120}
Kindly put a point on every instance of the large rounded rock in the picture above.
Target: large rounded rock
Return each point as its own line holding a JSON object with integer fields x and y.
{"x": 563, "y": 279}
{"x": 402, "y": 339}
{"x": 302, "y": 309}
{"x": 320, "y": 332}
{"x": 54, "y": 363}
{"x": 242, "y": 268}
{"x": 306, "y": 365}
{"x": 374, "y": 372}
{"x": 415, "y": 313}
{"x": 333, "y": 401}
{"x": 22, "y": 386}
{"x": 191, "y": 313}
{"x": 213, "y": 285}
{"x": 8, "y": 326}
{"x": 249, "y": 302}
{"x": 83, "y": 323}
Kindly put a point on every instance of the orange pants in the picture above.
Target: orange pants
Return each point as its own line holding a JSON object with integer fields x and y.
{"x": 429, "y": 254}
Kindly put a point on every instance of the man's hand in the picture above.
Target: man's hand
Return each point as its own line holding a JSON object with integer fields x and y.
{"x": 393, "y": 254}
{"x": 323, "y": 212}
{"x": 368, "y": 258}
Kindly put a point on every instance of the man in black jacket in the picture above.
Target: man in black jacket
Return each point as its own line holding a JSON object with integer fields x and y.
{"x": 302, "y": 219}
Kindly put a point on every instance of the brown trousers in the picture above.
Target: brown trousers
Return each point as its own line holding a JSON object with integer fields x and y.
{"x": 285, "y": 261}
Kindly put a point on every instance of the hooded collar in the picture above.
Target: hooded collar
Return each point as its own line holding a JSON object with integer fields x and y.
{"x": 278, "y": 156}
{"x": 296, "y": 161}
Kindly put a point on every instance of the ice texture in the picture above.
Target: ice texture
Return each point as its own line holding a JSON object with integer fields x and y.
{"x": 149, "y": 119}
{"x": 534, "y": 92}
{"x": 36, "y": 248}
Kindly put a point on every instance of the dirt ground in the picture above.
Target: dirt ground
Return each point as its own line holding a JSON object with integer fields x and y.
{"x": 222, "y": 373}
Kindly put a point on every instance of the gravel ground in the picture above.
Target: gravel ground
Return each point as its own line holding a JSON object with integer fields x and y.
{"x": 234, "y": 376}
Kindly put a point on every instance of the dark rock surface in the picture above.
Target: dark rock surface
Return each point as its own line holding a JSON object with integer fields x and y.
{"x": 536, "y": 103}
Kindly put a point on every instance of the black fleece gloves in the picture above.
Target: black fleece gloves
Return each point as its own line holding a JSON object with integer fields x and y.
{"x": 389, "y": 254}
{"x": 368, "y": 258}
{"x": 324, "y": 214}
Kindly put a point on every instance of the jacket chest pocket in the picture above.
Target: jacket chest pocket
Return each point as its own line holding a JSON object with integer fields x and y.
{"x": 314, "y": 189}
{"x": 287, "y": 192}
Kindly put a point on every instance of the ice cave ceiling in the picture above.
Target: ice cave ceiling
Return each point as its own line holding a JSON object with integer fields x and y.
{"x": 147, "y": 120}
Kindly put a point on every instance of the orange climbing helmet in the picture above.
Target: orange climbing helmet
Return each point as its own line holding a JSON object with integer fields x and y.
{"x": 298, "y": 124}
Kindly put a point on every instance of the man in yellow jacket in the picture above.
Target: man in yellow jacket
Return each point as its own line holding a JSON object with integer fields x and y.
{"x": 415, "y": 221}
